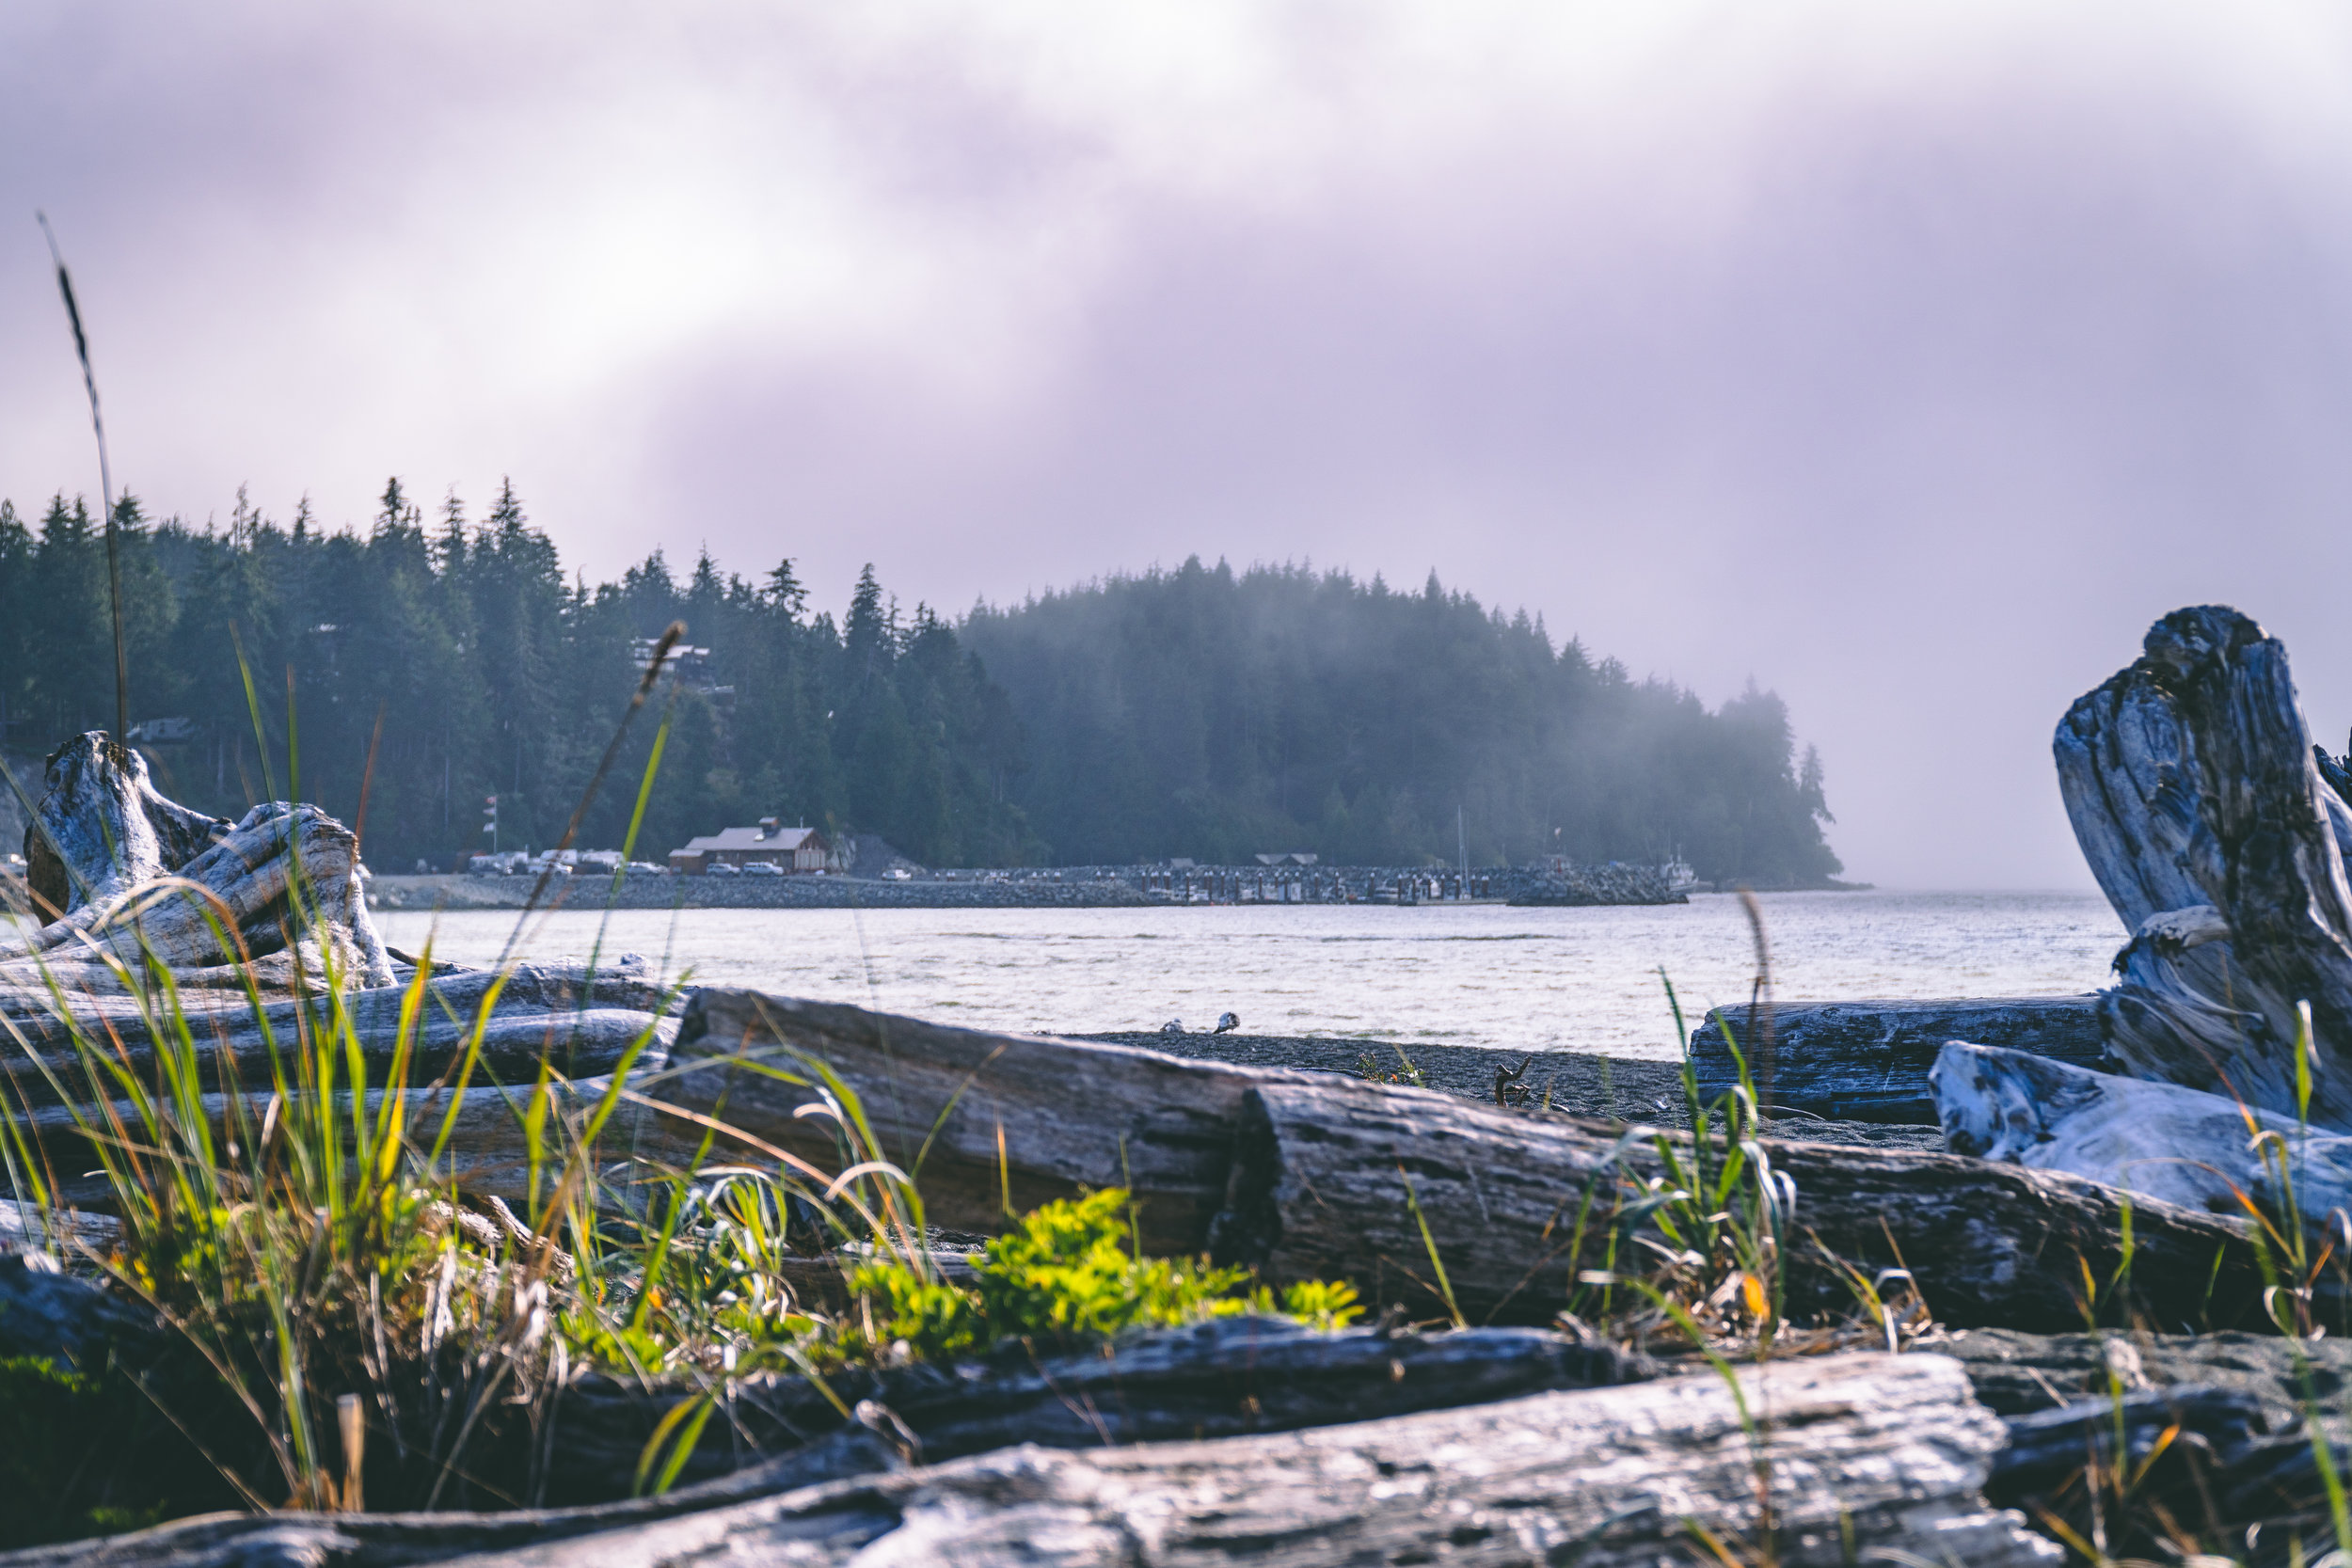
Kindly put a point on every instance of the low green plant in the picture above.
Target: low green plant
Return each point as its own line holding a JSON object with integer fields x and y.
{"x": 1063, "y": 1276}
{"x": 1693, "y": 1236}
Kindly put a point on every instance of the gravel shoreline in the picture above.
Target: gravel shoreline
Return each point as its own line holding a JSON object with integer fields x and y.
{"x": 1609, "y": 1088}
{"x": 748, "y": 893}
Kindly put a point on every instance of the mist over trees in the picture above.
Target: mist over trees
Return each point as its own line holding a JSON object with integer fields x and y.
{"x": 1212, "y": 714}
{"x": 1196, "y": 712}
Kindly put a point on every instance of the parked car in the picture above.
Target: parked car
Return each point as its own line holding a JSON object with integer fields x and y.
{"x": 762, "y": 868}
{"x": 897, "y": 874}
{"x": 722, "y": 869}
{"x": 648, "y": 868}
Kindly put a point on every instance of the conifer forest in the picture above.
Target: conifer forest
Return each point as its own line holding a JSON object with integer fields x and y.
{"x": 403, "y": 673}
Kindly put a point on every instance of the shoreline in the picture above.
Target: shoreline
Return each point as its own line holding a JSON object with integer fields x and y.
{"x": 467, "y": 892}
{"x": 406, "y": 894}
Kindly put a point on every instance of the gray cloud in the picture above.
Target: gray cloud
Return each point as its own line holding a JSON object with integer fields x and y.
{"x": 1910, "y": 364}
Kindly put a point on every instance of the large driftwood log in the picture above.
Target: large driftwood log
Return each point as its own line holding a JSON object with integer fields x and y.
{"x": 1868, "y": 1061}
{"x": 1227, "y": 1377}
{"x": 1867, "y": 1454}
{"x": 1319, "y": 1184}
{"x": 1058, "y": 1114}
{"x": 582, "y": 1020}
{"x": 2159, "y": 1140}
{"x": 2194, "y": 792}
{"x": 1300, "y": 1173}
{"x": 489, "y": 1153}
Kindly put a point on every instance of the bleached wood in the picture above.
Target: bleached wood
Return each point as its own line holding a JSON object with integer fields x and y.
{"x": 101, "y": 828}
{"x": 2159, "y": 1140}
{"x": 2190, "y": 782}
{"x": 229, "y": 906}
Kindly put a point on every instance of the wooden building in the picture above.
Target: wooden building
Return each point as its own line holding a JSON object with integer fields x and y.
{"x": 801, "y": 849}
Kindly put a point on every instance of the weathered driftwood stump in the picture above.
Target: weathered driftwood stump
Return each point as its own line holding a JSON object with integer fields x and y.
{"x": 2196, "y": 797}
{"x": 2206, "y": 813}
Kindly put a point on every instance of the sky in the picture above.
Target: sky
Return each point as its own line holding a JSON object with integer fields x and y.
{"x": 1906, "y": 359}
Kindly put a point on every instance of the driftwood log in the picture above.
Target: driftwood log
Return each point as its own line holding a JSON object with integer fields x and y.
{"x": 1866, "y": 1454}
{"x": 2198, "y": 799}
{"x": 1227, "y": 1377}
{"x": 1868, "y": 1061}
{"x": 586, "y": 1018}
{"x": 2216, "y": 1428}
{"x": 487, "y": 1155}
{"x": 1060, "y": 1115}
{"x": 2160, "y": 1140}
{"x": 1300, "y": 1173}
{"x": 1320, "y": 1188}
{"x": 579, "y": 1023}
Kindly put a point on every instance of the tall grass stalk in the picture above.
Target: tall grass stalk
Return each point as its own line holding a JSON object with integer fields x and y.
{"x": 105, "y": 486}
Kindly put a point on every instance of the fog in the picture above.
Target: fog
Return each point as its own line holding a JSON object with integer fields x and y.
{"x": 1908, "y": 359}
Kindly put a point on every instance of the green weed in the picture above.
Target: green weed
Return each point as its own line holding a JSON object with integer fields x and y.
{"x": 1063, "y": 1276}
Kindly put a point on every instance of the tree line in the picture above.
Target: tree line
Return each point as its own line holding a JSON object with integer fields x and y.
{"x": 1282, "y": 708}
{"x": 404, "y": 673}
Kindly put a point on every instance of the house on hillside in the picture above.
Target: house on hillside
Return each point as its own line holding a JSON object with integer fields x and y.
{"x": 787, "y": 848}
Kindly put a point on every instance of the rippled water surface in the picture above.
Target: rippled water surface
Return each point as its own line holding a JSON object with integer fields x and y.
{"x": 1578, "y": 979}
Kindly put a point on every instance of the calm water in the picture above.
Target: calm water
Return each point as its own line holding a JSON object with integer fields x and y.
{"x": 1577, "y": 979}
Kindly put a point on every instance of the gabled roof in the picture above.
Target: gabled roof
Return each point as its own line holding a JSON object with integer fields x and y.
{"x": 751, "y": 838}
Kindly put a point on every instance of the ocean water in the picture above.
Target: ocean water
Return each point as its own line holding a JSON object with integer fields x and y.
{"x": 1478, "y": 975}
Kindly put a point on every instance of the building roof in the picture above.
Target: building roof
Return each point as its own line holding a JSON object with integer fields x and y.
{"x": 751, "y": 838}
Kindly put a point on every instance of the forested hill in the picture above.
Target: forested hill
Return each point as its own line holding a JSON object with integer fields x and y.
{"x": 1187, "y": 713}
{"x": 1214, "y": 714}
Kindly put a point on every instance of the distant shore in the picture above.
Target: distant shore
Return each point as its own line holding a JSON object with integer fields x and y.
{"x": 750, "y": 892}
{"x": 1084, "y": 888}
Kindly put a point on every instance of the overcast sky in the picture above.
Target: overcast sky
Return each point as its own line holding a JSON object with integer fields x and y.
{"x": 1909, "y": 358}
